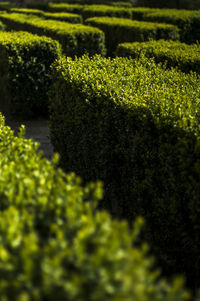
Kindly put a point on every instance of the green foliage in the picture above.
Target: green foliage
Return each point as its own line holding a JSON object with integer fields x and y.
{"x": 2, "y": 26}
{"x": 76, "y": 39}
{"x": 5, "y": 5}
{"x": 139, "y": 12}
{"x": 66, "y": 17}
{"x": 187, "y": 21}
{"x": 135, "y": 126}
{"x": 119, "y": 30}
{"x": 64, "y": 7}
{"x": 90, "y": 11}
{"x": 173, "y": 53}
{"x": 54, "y": 245}
{"x": 25, "y": 72}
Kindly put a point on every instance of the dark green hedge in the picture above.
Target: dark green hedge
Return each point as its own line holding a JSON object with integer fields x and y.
{"x": 135, "y": 126}
{"x": 5, "y": 5}
{"x": 76, "y": 39}
{"x": 187, "y": 21}
{"x": 25, "y": 72}
{"x": 54, "y": 245}
{"x": 138, "y": 13}
{"x": 66, "y": 17}
{"x": 173, "y": 53}
{"x": 2, "y": 26}
{"x": 90, "y": 11}
{"x": 119, "y": 30}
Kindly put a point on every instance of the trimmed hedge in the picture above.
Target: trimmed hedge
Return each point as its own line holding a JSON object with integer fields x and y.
{"x": 104, "y": 2}
{"x": 2, "y": 26}
{"x": 5, "y": 5}
{"x": 76, "y": 39}
{"x": 66, "y": 17}
{"x": 173, "y": 53}
{"x": 187, "y": 21}
{"x": 138, "y": 13}
{"x": 90, "y": 11}
{"x": 135, "y": 126}
{"x": 53, "y": 243}
{"x": 118, "y": 30}
{"x": 25, "y": 73}
{"x": 64, "y": 7}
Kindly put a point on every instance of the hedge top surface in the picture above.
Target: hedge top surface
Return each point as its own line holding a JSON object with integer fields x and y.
{"x": 170, "y": 95}
{"x": 42, "y": 13}
{"x": 103, "y": 8}
{"x": 56, "y": 26}
{"x": 112, "y": 21}
{"x": 173, "y": 16}
{"x": 61, "y": 6}
{"x": 175, "y": 48}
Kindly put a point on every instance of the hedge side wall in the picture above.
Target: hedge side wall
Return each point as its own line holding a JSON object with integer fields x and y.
{"x": 119, "y": 30}
{"x": 135, "y": 126}
{"x": 25, "y": 72}
{"x": 56, "y": 246}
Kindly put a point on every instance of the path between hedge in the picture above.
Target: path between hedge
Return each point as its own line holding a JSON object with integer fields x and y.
{"x": 36, "y": 129}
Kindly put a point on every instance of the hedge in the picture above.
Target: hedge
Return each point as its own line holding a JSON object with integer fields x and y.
{"x": 25, "y": 73}
{"x": 76, "y": 39}
{"x": 187, "y": 21}
{"x": 64, "y": 7}
{"x": 2, "y": 26}
{"x": 138, "y": 13}
{"x": 173, "y": 53}
{"x": 119, "y": 30}
{"x": 104, "y": 2}
{"x": 66, "y": 17}
{"x": 54, "y": 244}
{"x": 90, "y": 11}
{"x": 135, "y": 126}
{"x": 5, "y": 5}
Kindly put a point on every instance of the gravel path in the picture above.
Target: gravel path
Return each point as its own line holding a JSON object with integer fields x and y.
{"x": 36, "y": 129}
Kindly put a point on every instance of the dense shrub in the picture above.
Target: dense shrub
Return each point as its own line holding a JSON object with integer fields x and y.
{"x": 25, "y": 72}
{"x": 90, "y": 11}
{"x": 64, "y": 7}
{"x": 187, "y": 21}
{"x": 135, "y": 126}
{"x": 5, "y": 5}
{"x": 139, "y": 12}
{"x": 119, "y": 30}
{"x": 105, "y": 2}
{"x": 76, "y": 39}
{"x": 66, "y": 17}
{"x": 2, "y": 26}
{"x": 173, "y": 53}
{"x": 53, "y": 243}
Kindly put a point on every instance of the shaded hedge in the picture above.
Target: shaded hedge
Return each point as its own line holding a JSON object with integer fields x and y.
{"x": 173, "y": 53}
{"x": 119, "y": 30}
{"x": 76, "y": 39}
{"x": 25, "y": 72}
{"x": 54, "y": 245}
{"x": 135, "y": 126}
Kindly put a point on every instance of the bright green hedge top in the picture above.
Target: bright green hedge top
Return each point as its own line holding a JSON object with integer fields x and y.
{"x": 68, "y": 17}
{"x": 105, "y": 10}
{"x": 130, "y": 23}
{"x": 173, "y": 16}
{"x": 54, "y": 245}
{"x": 186, "y": 57}
{"x": 170, "y": 95}
{"x": 54, "y": 26}
{"x": 64, "y": 7}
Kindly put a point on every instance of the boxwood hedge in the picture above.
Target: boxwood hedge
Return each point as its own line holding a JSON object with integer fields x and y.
{"x": 90, "y": 11}
{"x": 173, "y": 53}
{"x": 66, "y": 17}
{"x": 119, "y": 30}
{"x": 64, "y": 7}
{"x": 54, "y": 245}
{"x": 76, "y": 39}
{"x": 135, "y": 126}
{"x": 2, "y": 26}
{"x": 187, "y": 21}
{"x": 25, "y": 72}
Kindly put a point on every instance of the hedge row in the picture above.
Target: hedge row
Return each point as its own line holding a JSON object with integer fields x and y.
{"x": 5, "y": 5}
{"x": 187, "y": 21}
{"x": 135, "y": 126}
{"x": 2, "y": 26}
{"x": 90, "y": 11}
{"x": 103, "y": 2}
{"x": 119, "y": 30}
{"x": 76, "y": 39}
{"x": 54, "y": 245}
{"x": 173, "y": 53}
{"x": 64, "y": 7}
{"x": 66, "y": 17}
{"x": 25, "y": 73}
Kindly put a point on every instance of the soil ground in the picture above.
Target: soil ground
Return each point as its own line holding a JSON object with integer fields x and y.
{"x": 36, "y": 129}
